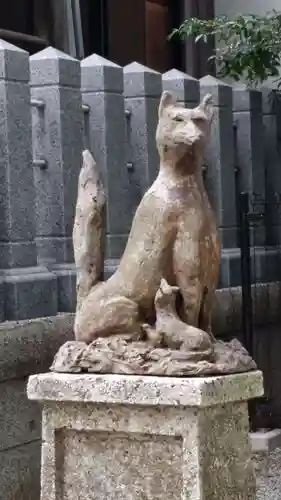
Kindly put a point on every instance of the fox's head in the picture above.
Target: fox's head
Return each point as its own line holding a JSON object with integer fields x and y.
{"x": 166, "y": 295}
{"x": 181, "y": 130}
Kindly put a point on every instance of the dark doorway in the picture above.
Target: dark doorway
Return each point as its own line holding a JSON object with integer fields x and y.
{"x": 176, "y": 46}
{"x": 162, "y": 16}
{"x": 133, "y": 30}
{"x": 27, "y": 24}
{"x": 94, "y": 16}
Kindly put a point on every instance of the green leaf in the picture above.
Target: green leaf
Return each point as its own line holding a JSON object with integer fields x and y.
{"x": 250, "y": 45}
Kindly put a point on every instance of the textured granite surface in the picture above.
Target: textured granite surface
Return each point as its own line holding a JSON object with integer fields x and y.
{"x": 25, "y": 347}
{"x": 29, "y": 346}
{"x": 148, "y": 391}
{"x": 136, "y": 438}
{"x": 268, "y": 473}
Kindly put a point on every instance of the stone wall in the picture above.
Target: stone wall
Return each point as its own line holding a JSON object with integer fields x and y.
{"x": 26, "y": 347}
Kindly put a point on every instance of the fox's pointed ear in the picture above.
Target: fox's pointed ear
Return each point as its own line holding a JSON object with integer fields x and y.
{"x": 167, "y": 99}
{"x": 207, "y": 106}
{"x": 164, "y": 286}
{"x": 164, "y": 283}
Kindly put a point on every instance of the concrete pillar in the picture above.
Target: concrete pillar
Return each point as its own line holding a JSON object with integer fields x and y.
{"x": 220, "y": 175}
{"x": 142, "y": 90}
{"x": 249, "y": 149}
{"x": 185, "y": 87}
{"x": 272, "y": 167}
{"x": 102, "y": 91}
{"x": 29, "y": 291}
{"x": 58, "y": 137}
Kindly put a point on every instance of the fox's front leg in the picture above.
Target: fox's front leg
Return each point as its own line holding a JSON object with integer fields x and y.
{"x": 191, "y": 292}
{"x": 187, "y": 272}
{"x": 205, "y": 322}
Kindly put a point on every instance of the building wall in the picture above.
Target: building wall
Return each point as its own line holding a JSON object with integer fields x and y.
{"x": 234, "y": 7}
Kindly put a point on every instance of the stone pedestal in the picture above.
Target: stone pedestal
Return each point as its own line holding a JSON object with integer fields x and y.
{"x": 112, "y": 437}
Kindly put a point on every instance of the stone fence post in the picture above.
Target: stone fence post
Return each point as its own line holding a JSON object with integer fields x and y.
{"x": 29, "y": 290}
{"x": 249, "y": 146}
{"x": 102, "y": 91}
{"x": 184, "y": 87}
{"x": 57, "y": 138}
{"x": 272, "y": 167}
{"x": 142, "y": 91}
{"x": 248, "y": 122}
{"x": 220, "y": 175}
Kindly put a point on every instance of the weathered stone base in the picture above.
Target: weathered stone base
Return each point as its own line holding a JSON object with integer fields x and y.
{"x": 112, "y": 437}
{"x": 117, "y": 355}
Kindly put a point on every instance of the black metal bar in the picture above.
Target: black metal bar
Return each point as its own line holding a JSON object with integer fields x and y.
{"x": 237, "y": 177}
{"x": 37, "y": 103}
{"x": 245, "y": 247}
{"x": 246, "y": 283}
{"x": 85, "y": 108}
{"x": 40, "y": 163}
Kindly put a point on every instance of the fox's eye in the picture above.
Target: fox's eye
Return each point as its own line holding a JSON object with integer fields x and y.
{"x": 178, "y": 119}
{"x": 199, "y": 118}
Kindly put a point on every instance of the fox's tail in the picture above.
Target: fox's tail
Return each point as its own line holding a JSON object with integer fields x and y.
{"x": 89, "y": 228}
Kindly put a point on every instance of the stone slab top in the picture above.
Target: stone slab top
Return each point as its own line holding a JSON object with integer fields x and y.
{"x": 145, "y": 390}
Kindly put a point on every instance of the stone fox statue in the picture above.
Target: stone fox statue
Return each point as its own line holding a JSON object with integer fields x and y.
{"x": 173, "y": 236}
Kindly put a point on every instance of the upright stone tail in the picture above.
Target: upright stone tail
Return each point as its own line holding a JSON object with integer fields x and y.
{"x": 89, "y": 227}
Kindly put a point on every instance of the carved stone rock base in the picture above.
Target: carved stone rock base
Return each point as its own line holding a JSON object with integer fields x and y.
{"x": 120, "y": 356}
